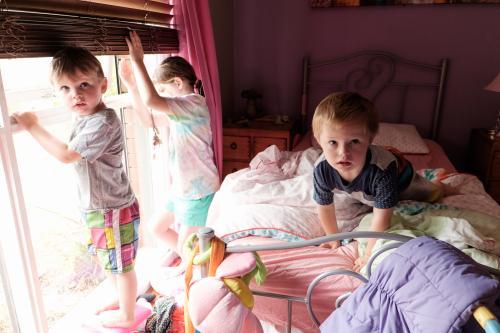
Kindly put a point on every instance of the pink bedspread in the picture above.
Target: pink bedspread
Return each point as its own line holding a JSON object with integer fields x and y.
{"x": 435, "y": 159}
{"x": 291, "y": 271}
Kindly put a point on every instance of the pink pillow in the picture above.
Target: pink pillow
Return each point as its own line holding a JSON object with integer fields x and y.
{"x": 403, "y": 137}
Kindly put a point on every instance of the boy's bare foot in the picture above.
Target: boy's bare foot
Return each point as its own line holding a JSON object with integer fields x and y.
{"x": 115, "y": 318}
{"x": 111, "y": 305}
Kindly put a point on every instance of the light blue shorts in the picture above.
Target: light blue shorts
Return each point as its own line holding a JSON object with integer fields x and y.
{"x": 191, "y": 213}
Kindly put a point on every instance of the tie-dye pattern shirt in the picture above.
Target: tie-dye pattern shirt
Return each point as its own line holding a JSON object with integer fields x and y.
{"x": 190, "y": 154}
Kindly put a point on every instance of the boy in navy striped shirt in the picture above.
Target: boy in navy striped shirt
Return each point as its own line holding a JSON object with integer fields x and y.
{"x": 356, "y": 173}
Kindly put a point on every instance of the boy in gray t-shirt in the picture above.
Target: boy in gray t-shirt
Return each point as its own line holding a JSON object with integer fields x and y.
{"x": 102, "y": 181}
{"x": 109, "y": 207}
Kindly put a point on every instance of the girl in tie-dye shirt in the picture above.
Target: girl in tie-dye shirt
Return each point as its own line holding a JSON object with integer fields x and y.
{"x": 193, "y": 173}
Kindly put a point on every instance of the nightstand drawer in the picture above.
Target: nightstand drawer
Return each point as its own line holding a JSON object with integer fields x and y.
{"x": 232, "y": 166}
{"x": 262, "y": 143}
{"x": 495, "y": 167}
{"x": 236, "y": 147}
{"x": 243, "y": 140}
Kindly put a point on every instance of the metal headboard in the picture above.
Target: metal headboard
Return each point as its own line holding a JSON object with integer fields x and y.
{"x": 377, "y": 75}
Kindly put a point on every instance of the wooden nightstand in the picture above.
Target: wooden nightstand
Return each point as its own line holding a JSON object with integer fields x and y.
{"x": 243, "y": 141}
{"x": 484, "y": 160}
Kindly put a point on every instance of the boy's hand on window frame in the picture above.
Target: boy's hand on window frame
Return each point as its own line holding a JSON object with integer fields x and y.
{"x": 25, "y": 119}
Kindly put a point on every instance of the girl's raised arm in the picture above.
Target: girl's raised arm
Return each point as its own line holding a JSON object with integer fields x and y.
{"x": 141, "y": 110}
{"x": 145, "y": 86}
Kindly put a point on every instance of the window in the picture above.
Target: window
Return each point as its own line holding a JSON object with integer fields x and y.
{"x": 45, "y": 239}
{"x": 33, "y": 92}
{"x": 41, "y": 236}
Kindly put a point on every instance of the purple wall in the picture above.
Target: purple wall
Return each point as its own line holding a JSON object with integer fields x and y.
{"x": 271, "y": 37}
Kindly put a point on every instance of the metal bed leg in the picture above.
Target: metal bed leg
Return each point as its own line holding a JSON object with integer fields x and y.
{"x": 289, "y": 317}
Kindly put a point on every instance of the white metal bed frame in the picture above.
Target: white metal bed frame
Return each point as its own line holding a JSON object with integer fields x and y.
{"x": 206, "y": 234}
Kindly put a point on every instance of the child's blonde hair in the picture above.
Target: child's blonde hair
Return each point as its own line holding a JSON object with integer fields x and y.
{"x": 342, "y": 107}
{"x": 72, "y": 58}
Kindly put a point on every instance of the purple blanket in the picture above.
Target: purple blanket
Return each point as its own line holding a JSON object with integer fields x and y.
{"x": 426, "y": 285}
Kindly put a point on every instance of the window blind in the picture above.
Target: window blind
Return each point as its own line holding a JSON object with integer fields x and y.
{"x": 31, "y": 28}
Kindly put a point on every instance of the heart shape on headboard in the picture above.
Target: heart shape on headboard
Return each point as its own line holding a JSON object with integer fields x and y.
{"x": 372, "y": 78}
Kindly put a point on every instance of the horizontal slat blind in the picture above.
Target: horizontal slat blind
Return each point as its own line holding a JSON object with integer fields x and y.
{"x": 150, "y": 6}
{"x": 146, "y": 11}
{"x": 46, "y": 26}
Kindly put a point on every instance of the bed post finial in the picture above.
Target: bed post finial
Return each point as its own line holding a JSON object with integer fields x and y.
{"x": 205, "y": 235}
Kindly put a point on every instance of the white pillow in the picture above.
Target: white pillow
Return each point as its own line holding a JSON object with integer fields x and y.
{"x": 403, "y": 137}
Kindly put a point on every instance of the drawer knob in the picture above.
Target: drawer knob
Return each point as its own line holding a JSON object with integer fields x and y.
{"x": 233, "y": 146}
{"x": 234, "y": 170}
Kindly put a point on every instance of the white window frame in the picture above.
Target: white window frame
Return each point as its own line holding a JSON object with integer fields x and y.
{"x": 18, "y": 271}
{"x": 25, "y": 293}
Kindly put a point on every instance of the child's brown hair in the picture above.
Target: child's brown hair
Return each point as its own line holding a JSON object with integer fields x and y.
{"x": 69, "y": 59}
{"x": 343, "y": 107}
{"x": 176, "y": 66}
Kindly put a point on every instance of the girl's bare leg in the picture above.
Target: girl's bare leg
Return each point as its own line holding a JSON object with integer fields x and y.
{"x": 184, "y": 232}
{"x": 159, "y": 226}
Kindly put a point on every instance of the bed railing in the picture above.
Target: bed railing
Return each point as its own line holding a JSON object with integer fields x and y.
{"x": 206, "y": 234}
{"x": 482, "y": 314}
{"x": 317, "y": 241}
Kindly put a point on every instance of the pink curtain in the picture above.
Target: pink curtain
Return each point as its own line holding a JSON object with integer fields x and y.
{"x": 197, "y": 45}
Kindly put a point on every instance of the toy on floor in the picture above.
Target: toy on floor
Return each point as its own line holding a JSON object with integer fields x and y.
{"x": 167, "y": 317}
{"x": 221, "y": 302}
